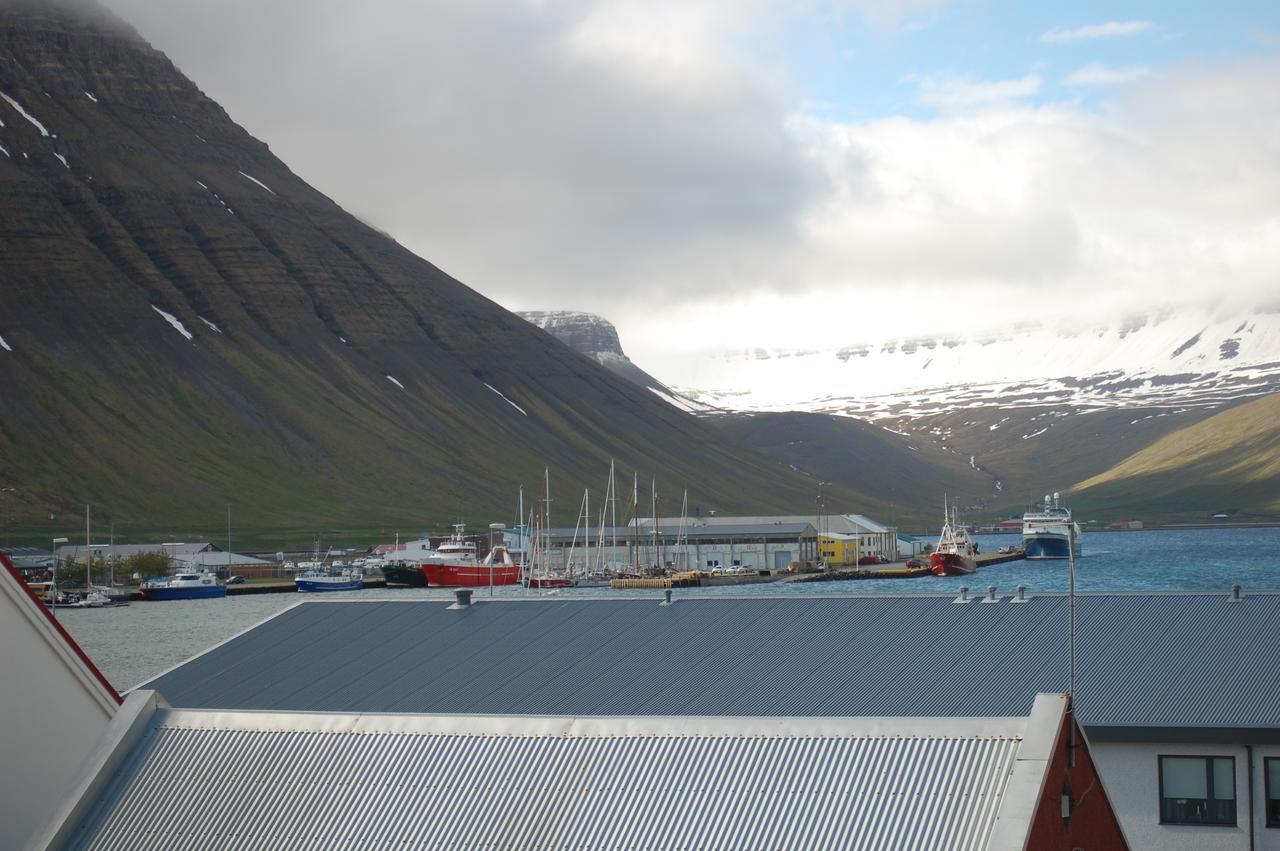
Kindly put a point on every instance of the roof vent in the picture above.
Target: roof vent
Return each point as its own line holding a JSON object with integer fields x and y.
{"x": 991, "y": 595}
{"x": 463, "y": 598}
{"x": 1022, "y": 595}
{"x": 1235, "y": 593}
{"x": 964, "y": 595}
{"x": 666, "y": 598}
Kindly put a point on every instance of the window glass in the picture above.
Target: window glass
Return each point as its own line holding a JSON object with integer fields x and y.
{"x": 1184, "y": 777}
{"x": 1197, "y": 790}
{"x": 1224, "y": 778}
{"x": 1273, "y": 792}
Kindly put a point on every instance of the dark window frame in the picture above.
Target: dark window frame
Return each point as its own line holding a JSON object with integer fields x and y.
{"x": 1271, "y": 806}
{"x": 1234, "y": 819}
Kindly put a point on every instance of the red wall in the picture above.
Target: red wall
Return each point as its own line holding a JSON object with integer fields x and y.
{"x": 1093, "y": 825}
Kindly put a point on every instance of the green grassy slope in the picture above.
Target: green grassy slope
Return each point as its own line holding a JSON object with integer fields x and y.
{"x": 1229, "y": 462}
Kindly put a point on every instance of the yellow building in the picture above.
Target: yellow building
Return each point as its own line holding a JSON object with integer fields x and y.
{"x": 839, "y": 550}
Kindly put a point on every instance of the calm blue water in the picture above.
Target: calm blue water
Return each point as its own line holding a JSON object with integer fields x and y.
{"x": 137, "y": 642}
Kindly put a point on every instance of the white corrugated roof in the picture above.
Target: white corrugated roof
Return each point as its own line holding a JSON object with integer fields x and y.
{"x": 270, "y": 780}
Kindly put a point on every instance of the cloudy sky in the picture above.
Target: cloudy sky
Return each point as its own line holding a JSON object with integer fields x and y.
{"x": 748, "y": 173}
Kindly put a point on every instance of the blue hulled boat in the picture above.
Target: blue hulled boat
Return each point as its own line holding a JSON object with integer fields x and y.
{"x": 1049, "y": 532}
{"x": 318, "y": 580}
{"x": 183, "y": 586}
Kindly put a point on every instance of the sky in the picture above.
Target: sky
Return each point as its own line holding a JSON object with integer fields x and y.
{"x": 734, "y": 174}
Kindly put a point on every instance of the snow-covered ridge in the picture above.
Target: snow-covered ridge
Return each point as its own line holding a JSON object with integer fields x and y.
{"x": 1169, "y": 360}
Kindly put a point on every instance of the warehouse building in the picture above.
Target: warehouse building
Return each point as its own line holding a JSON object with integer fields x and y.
{"x": 670, "y": 545}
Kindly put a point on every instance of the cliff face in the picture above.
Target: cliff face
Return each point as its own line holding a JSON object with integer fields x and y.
{"x": 185, "y": 323}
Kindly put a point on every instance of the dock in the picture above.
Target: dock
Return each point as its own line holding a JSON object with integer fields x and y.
{"x": 700, "y": 579}
{"x": 855, "y": 573}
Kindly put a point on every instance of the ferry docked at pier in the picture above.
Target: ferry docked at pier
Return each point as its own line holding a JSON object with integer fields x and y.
{"x": 1048, "y": 533}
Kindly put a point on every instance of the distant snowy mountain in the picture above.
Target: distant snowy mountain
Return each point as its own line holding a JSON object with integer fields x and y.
{"x": 597, "y": 338}
{"x": 1166, "y": 361}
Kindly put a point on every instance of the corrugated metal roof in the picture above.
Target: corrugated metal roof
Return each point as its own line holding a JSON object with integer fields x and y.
{"x": 1144, "y": 660}
{"x": 268, "y": 780}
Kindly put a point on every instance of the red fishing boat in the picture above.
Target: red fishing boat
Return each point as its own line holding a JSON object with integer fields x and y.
{"x": 955, "y": 551}
{"x": 454, "y": 564}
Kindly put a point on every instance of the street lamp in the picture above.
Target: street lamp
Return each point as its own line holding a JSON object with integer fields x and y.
{"x": 53, "y": 587}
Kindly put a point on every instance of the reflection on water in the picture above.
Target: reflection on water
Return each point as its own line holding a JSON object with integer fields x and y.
{"x": 137, "y": 642}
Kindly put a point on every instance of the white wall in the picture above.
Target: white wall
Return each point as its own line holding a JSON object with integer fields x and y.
{"x": 1131, "y": 775}
{"x": 53, "y": 712}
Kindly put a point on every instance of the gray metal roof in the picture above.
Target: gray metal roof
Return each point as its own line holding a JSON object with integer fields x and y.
{"x": 1176, "y": 660}
{"x": 273, "y": 780}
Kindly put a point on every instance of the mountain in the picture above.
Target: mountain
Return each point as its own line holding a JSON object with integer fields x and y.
{"x": 186, "y": 325}
{"x": 597, "y": 338}
{"x": 1170, "y": 359}
{"x": 1035, "y": 407}
{"x": 1228, "y": 463}
{"x": 894, "y": 475}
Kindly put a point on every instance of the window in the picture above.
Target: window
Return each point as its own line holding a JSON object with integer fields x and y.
{"x": 1272, "y": 780}
{"x": 1198, "y": 790}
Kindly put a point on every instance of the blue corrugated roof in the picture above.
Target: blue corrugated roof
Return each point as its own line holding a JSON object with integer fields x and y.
{"x": 1144, "y": 660}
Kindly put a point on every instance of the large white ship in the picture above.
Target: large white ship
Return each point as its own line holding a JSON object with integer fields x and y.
{"x": 1048, "y": 533}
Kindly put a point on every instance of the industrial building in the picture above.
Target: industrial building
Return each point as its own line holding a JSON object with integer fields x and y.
{"x": 1167, "y": 682}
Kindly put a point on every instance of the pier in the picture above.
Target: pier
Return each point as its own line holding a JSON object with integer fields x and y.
{"x": 899, "y": 572}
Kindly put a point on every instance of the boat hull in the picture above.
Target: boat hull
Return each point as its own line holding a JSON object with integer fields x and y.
{"x": 951, "y": 564}
{"x": 1047, "y": 546}
{"x": 409, "y": 575}
{"x": 470, "y": 575}
{"x": 199, "y": 593}
{"x": 312, "y": 585}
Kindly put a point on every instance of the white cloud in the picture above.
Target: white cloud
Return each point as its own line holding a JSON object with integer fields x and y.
{"x": 1097, "y": 74}
{"x": 951, "y": 92}
{"x": 1111, "y": 29}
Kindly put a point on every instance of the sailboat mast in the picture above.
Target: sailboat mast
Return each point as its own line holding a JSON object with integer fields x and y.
{"x": 613, "y": 501}
{"x": 586, "y": 514}
{"x": 635, "y": 522}
{"x": 88, "y": 554}
{"x": 653, "y": 508}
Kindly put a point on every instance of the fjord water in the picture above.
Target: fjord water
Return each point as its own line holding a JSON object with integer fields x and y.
{"x": 135, "y": 643}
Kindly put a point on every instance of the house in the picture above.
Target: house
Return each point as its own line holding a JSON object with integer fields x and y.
{"x": 180, "y": 777}
{"x": 56, "y": 708}
{"x": 1178, "y": 694}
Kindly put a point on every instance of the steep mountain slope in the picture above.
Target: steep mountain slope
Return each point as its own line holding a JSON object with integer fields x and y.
{"x": 595, "y": 337}
{"x": 1227, "y": 463}
{"x": 187, "y": 324}
{"x": 895, "y": 475}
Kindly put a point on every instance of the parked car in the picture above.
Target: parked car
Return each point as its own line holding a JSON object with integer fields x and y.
{"x": 235, "y": 580}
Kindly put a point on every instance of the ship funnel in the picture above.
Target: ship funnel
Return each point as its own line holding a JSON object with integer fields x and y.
{"x": 463, "y": 600}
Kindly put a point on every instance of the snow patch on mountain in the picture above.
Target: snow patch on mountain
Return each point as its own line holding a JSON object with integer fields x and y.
{"x": 21, "y": 111}
{"x": 174, "y": 321}
{"x": 1167, "y": 360}
{"x": 505, "y": 399}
